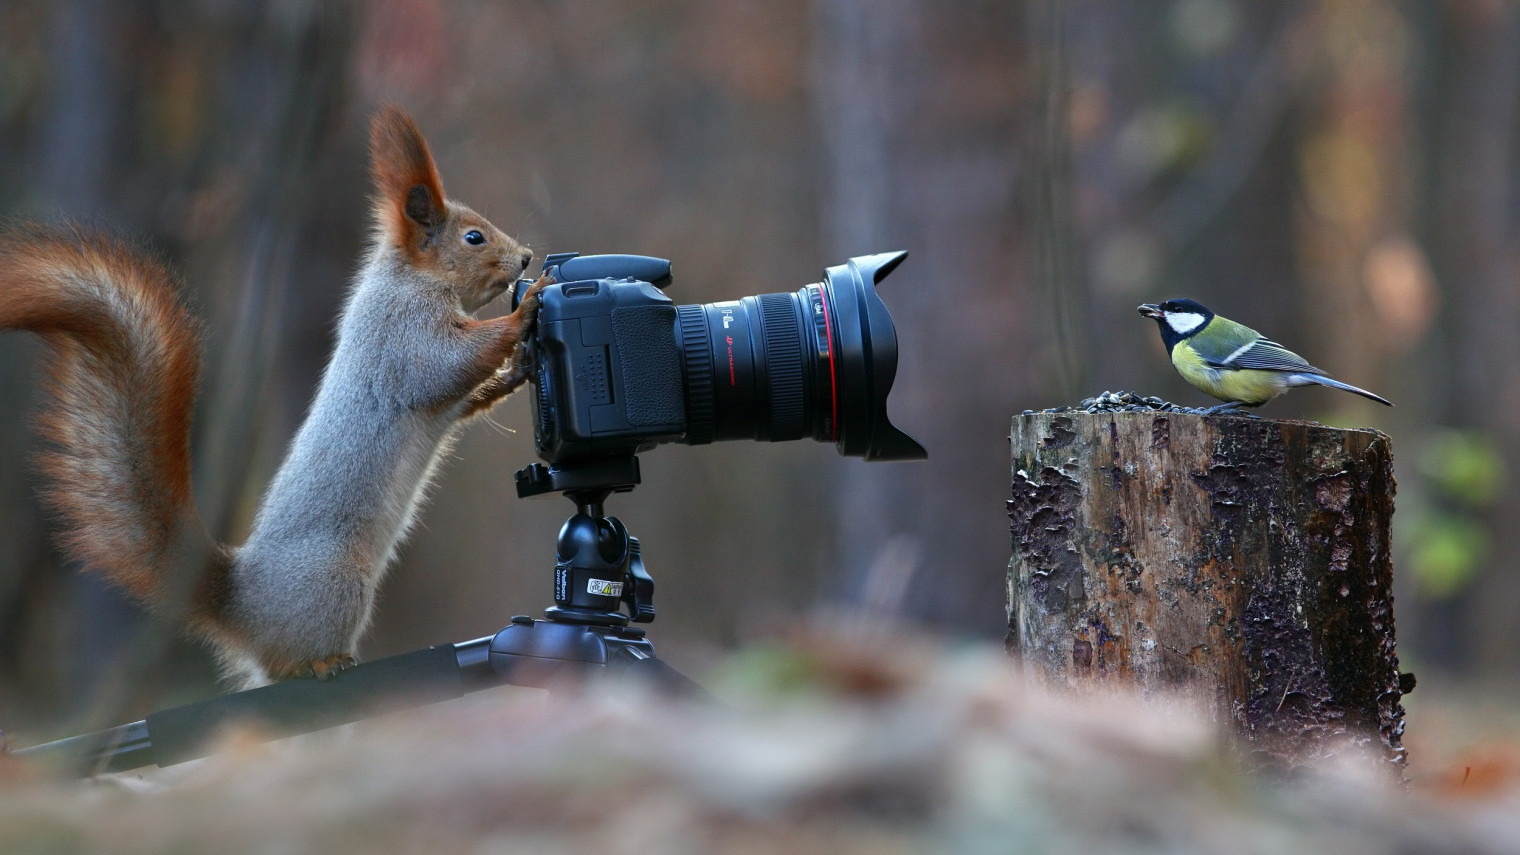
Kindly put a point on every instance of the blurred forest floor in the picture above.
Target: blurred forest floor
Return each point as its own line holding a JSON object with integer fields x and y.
{"x": 821, "y": 746}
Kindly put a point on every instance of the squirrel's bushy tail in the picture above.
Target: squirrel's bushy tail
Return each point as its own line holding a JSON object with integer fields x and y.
{"x": 121, "y": 379}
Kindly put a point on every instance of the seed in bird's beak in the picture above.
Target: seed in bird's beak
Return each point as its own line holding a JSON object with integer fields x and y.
{"x": 1151, "y": 310}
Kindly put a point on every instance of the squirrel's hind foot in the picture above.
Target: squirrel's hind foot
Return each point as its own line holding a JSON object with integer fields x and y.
{"x": 322, "y": 668}
{"x": 328, "y": 666}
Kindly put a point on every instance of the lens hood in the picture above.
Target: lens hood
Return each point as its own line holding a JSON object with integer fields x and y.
{"x": 867, "y": 360}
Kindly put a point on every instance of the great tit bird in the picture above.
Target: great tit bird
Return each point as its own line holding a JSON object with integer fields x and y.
{"x": 1234, "y": 363}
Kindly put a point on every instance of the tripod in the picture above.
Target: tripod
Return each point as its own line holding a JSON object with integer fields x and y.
{"x": 598, "y": 570}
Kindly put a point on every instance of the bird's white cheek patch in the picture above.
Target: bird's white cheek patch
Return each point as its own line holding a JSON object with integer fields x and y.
{"x": 1184, "y": 322}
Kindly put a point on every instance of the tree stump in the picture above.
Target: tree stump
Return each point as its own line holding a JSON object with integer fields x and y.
{"x": 1242, "y": 561}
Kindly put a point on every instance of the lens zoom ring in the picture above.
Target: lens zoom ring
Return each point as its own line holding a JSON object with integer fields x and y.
{"x": 698, "y": 365}
{"x": 783, "y": 356}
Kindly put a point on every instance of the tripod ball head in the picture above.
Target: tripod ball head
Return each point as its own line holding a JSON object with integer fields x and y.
{"x": 591, "y": 569}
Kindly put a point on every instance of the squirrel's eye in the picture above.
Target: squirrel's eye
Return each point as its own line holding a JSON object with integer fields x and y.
{"x": 474, "y": 238}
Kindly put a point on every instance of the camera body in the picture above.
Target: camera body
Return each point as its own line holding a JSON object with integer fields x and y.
{"x": 620, "y": 368}
{"x": 608, "y": 371}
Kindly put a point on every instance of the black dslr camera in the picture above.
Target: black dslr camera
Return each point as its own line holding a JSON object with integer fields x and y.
{"x": 620, "y": 368}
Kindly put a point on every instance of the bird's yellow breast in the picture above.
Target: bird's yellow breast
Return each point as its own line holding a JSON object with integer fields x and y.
{"x": 1248, "y": 386}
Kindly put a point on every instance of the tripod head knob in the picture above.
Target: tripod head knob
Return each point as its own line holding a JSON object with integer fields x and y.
{"x": 640, "y": 593}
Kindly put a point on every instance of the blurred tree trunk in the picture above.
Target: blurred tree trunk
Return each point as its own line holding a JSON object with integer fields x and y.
{"x": 77, "y": 159}
{"x": 1053, "y": 253}
{"x": 910, "y": 168}
{"x": 863, "y": 47}
{"x": 1473, "y": 231}
{"x": 196, "y": 127}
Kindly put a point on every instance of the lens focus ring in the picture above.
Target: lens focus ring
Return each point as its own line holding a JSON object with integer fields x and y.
{"x": 700, "y": 419}
{"x": 783, "y": 352}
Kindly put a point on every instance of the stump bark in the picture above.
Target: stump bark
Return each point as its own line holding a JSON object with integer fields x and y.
{"x": 1242, "y": 561}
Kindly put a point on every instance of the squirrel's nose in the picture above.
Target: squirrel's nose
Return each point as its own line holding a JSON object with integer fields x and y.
{"x": 527, "y": 259}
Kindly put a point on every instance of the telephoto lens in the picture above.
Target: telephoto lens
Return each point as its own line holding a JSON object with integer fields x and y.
{"x": 816, "y": 363}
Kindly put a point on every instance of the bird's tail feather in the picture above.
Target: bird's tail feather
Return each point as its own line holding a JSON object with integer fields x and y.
{"x": 1320, "y": 379}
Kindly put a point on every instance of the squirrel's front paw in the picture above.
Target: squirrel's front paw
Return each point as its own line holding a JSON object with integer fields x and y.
{"x": 520, "y": 365}
{"x": 327, "y": 666}
{"x": 528, "y": 305}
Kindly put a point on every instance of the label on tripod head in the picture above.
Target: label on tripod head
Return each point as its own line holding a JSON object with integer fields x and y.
{"x": 604, "y": 588}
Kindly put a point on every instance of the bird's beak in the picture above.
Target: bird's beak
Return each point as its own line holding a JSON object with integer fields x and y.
{"x": 1151, "y": 310}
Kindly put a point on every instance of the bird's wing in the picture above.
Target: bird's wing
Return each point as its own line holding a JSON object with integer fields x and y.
{"x": 1265, "y": 354}
{"x": 1221, "y": 340}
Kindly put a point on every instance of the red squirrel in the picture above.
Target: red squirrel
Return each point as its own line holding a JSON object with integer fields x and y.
{"x": 410, "y": 365}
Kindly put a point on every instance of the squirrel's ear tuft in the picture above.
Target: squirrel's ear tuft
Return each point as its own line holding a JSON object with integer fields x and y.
{"x": 409, "y": 203}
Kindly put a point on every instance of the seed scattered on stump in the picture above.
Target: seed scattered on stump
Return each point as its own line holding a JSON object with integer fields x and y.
{"x": 1122, "y": 402}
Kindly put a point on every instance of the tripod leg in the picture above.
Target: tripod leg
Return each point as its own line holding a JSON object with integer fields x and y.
{"x": 661, "y": 674}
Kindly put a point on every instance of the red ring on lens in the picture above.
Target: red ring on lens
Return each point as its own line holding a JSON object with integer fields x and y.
{"x": 828, "y": 334}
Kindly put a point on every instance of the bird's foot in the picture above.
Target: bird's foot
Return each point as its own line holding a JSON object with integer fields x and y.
{"x": 1231, "y": 408}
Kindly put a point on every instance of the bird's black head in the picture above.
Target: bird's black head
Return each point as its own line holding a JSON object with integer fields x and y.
{"x": 1178, "y": 319}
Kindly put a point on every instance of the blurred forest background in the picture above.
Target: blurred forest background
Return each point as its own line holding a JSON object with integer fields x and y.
{"x": 1340, "y": 174}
